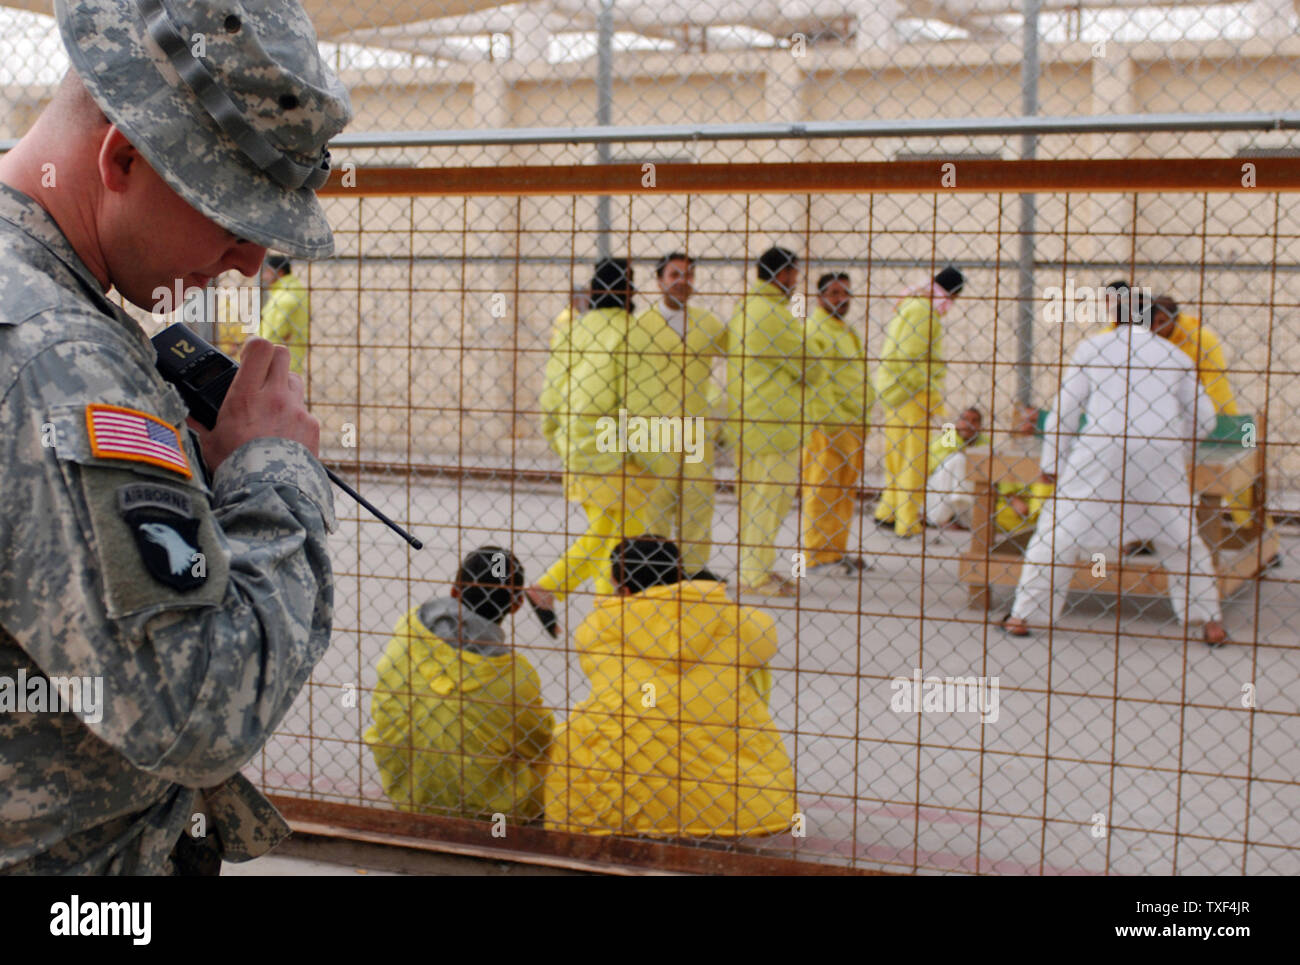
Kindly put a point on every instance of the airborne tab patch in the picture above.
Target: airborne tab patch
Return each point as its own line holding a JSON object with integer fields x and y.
{"x": 128, "y": 434}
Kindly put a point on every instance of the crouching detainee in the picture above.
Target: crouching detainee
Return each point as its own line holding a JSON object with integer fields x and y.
{"x": 459, "y": 724}
{"x": 675, "y": 738}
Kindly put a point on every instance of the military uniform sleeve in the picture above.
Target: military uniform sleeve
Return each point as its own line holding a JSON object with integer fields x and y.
{"x": 202, "y": 611}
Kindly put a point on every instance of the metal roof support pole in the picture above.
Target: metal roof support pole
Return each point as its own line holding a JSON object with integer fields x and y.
{"x": 604, "y": 112}
{"x": 1025, "y": 261}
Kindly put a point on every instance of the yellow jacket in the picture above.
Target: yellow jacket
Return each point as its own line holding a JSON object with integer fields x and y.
{"x": 457, "y": 731}
{"x": 911, "y": 363}
{"x": 674, "y": 738}
{"x": 765, "y": 372}
{"x": 682, "y": 384}
{"x": 286, "y": 319}
{"x": 594, "y": 385}
{"x": 1203, "y": 348}
{"x": 839, "y": 394}
{"x": 558, "y": 363}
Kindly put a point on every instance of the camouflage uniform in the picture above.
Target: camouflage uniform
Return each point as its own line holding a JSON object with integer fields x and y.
{"x": 195, "y": 680}
{"x": 198, "y": 666}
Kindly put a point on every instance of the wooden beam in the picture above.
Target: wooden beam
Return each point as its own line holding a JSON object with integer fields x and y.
{"x": 877, "y": 177}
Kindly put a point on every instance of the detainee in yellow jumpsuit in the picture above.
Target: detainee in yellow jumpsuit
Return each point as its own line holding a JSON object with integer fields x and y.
{"x": 765, "y": 389}
{"x": 687, "y": 339}
{"x": 909, "y": 384}
{"x": 286, "y": 314}
{"x": 675, "y": 738}
{"x": 458, "y": 722}
{"x": 558, "y": 361}
{"x": 620, "y": 496}
{"x": 839, "y": 400}
{"x": 1202, "y": 346}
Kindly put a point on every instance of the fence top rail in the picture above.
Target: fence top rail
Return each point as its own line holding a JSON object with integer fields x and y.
{"x": 935, "y": 176}
{"x": 759, "y": 131}
{"x": 813, "y": 130}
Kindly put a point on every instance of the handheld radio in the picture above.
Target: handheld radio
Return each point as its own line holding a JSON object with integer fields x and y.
{"x": 202, "y": 374}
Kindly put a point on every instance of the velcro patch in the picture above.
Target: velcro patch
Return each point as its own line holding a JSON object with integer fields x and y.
{"x": 166, "y": 533}
{"x": 134, "y": 436}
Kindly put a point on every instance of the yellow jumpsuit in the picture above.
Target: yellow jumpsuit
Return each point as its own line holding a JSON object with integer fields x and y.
{"x": 685, "y": 391}
{"x": 456, "y": 731}
{"x": 286, "y": 319}
{"x": 765, "y": 388}
{"x": 608, "y": 370}
{"x": 1202, "y": 346}
{"x": 909, "y": 385}
{"x": 557, "y": 371}
{"x": 675, "y": 738}
{"x": 839, "y": 404}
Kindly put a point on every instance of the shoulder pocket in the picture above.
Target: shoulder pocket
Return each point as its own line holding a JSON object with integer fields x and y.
{"x": 142, "y": 505}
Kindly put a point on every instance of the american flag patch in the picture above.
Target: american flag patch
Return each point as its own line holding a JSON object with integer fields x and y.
{"x": 118, "y": 433}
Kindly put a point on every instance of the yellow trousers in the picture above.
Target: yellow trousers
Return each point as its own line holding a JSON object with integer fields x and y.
{"x": 832, "y": 465}
{"x": 632, "y": 504}
{"x": 691, "y": 492}
{"x": 908, "y": 431}
{"x": 766, "y": 485}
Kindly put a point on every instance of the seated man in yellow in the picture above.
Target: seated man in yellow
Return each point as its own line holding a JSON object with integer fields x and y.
{"x": 459, "y": 725}
{"x": 675, "y": 738}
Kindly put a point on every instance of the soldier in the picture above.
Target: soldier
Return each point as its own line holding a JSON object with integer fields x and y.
{"x": 200, "y": 605}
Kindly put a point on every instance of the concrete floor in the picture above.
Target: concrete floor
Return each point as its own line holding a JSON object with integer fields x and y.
{"x": 1134, "y": 731}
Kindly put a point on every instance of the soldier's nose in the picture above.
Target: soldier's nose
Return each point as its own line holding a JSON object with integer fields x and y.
{"x": 245, "y": 257}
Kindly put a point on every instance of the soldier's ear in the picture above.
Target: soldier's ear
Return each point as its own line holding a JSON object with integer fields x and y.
{"x": 118, "y": 160}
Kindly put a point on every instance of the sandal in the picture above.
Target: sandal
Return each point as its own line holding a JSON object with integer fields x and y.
{"x": 1021, "y": 631}
{"x": 1214, "y": 629}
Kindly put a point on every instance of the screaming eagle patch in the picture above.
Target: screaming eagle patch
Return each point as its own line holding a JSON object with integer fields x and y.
{"x": 166, "y": 533}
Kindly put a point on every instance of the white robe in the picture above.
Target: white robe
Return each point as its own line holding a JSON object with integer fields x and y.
{"x": 949, "y": 495}
{"x": 1124, "y": 476}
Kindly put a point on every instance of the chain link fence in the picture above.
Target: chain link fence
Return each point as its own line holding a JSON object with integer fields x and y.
{"x": 864, "y": 710}
{"x": 917, "y": 736}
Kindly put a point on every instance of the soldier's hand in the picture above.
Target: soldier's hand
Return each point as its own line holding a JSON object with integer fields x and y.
{"x": 265, "y": 400}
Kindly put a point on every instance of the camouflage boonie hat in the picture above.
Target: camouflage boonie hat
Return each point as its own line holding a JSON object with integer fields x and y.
{"x": 228, "y": 100}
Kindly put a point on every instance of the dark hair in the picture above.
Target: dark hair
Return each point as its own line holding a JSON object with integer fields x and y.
{"x": 950, "y": 280}
{"x": 611, "y": 285}
{"x": 774, "y": 261}
{"x": 973, "y": 408}
{"x": 662, "y": 263}
{"x": 278, "y": 262}
{"x": 1166, "y": 304}
{"x": 490, "y": 578}
{"x": 828, "y": 279}
{"x": 645, "y": 561}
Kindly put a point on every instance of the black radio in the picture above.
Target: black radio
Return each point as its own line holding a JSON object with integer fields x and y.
{"x": 202, "y": 374}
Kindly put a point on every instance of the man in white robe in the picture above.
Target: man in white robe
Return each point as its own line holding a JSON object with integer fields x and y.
{"x": 1123, "y": 476}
